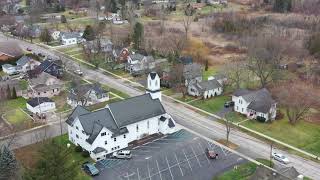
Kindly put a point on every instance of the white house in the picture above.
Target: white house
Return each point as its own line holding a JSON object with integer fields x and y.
{"x": 255, "y": 104}
{"x": 120, "y": 123}
{"x": 9, "y": 69}
{"x": 87, "y": 94}
{"x": 69, "y": 38}
{"x": 206, "y": 89}
{"x": 138, "y": 62}
{"x": 26, "y": 63}
{"x": 41, "y": 105}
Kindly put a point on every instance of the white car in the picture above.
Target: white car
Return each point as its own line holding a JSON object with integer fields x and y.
{"x": 78, "y": 72}
{"x": 124, "y": 154}
{"x": 280, "y": 158}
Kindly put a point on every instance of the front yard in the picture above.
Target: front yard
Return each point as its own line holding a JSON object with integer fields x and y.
{"x": 16, "y": 117}
{"x": 212, "y": 105}
{"x": 303, "y": 135}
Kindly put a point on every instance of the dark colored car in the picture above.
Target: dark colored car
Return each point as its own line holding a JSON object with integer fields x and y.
{"x": 90, "y": 169}
{"x": 228, "y": 104}
{"x": 211, "y": 154}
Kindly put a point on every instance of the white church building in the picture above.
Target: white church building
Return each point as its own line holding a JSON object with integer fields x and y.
{"x": 112, "y": 128}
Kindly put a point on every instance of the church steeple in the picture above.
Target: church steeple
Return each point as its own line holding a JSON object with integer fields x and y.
{"x": 153, "y": 85}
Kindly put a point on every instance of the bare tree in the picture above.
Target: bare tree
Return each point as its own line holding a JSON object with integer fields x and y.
{"x": 264, "y": 55}
{"x": 176, "y": 79}
{"x": 235, "y": 73}
{"x": 228, "y": 123}
{"x": 297, "y": 99}
{"x": 187, "y": 20}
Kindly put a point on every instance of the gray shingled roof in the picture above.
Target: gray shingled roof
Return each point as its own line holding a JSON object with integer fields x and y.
{"x": 260, "y": 100}
{"x": 208, "y": 85}
{"x": 136, "y": 109}
{"x": 38, "y": 100}
{"x": 81, "y": 90}
{"x": 23, "y": 60}
{"x": 69, "y": 35}
{"x": 98, "y": 150}
{"x": 136, "y": 57}
{"x": 79, "y": 110}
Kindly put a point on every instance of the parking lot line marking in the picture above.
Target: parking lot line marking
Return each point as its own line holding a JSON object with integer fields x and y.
{"x": 148, "y": 171}
{"x": 169, "y": 168}
{"x": 187, "y": 159}
{"x": 158, "y": 169}
{"x": 200, "y": 146}
{"x": 178, "y": 163}
{"x": 138, "y": 174}
{"x": 196, "y": 156}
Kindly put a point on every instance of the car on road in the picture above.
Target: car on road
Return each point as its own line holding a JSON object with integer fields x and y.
{"x": 228, "y": 104}
{"x": 78, "y": 72}
{"x": 90, "y": 169}
{"x": 281, "y": 158}
{"x": 124, "y": 154}
{"x": 29, "y": 49}
{"x": 211, "y": 154}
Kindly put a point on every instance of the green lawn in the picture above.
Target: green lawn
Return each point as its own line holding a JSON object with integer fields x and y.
{"x": 235, "y": 117}
{"x": 212, "y": 70}
{"x": 12, "y": 104}
{"x": 212, "y": 105}
{"x": 79, "y": 56}
{"x": 303, "y": 135}
{"x": 115, "y": 91}
{"x": 16, "y": 117}
{"x": 243, "y": 172}
{"x": 2, "y": 73}
{"x": 23, "y": 84}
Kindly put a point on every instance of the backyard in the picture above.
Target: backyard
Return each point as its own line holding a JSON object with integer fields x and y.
{"x": 28, "y": 155}
{"x": 17, "y": 117}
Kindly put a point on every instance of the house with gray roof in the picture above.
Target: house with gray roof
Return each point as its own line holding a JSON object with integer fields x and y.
{"x": 192, "y": 73}
{"x": 87, "y": 94}
{"x": 205, "y": 89}
{"x": 138, "y": 63}
{"x": 112, "y": 128}
{"x": 257, "y": 104}
{"x": 44, "y": 85}
{"x": 69, "y": 38}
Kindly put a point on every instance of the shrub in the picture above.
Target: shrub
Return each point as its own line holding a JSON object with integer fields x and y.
{"x": 85, "y": 154}
{"x": 261, "y": 119}
{"x": 282, "y": 5}
{"x": 78, "y": 149}
{"x": 280, "y": 115}
{"x": 313, "y": 44}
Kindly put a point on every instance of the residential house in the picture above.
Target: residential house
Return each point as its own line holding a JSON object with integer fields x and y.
{"x": 87, "y": 94}
{"x": 44, "y": 85}
{"x": 102, "y": 45}
{"x": 120, "y": 54}
{"x": 207, "y": 89}
{"x": 9, "y": 69}
{"x": 9, "y": 50}
{"x": 26, "y": 63}
{"x": 52, "y": 67}
{"x": 138, "y": 63}
{"x": 41, "y": 105}
{"x": 192, "y": 73}
{"x": 255, "y": 104}
{"x": 70, "y": 38}
{"x": 118, "y": 124}
{"x": 55, "y": 35}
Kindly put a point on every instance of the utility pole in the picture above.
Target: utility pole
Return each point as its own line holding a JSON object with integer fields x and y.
{"x": 271, "y": 147}
{"x": 60, "y": 123}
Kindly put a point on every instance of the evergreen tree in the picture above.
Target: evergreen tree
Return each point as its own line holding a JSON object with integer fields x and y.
{"x": 113, "y": 6}
{"x": 206, "y": 66}
{"x": 88, "y": 33}
{"x": 8, "y": 92}
{"x": 282, "y": 5}
{"x": 8, "y": 163}
{"x": 63, "y": 19}
{"x": 137, "y": 36}
{"x": 45, "y": 36}
{"x": 14, "y": 93}
{"x": 55, "y": 163}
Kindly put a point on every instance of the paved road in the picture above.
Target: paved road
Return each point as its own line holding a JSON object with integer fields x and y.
{"x": 203, "y": 125}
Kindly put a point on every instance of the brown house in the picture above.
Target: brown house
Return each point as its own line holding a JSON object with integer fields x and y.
{"x": 9, "y": 50}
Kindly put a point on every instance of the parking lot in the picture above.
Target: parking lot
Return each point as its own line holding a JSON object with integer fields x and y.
{"x": 179, "y": 156}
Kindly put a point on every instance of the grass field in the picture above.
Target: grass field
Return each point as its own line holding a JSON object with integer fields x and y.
{"x": 12, "y": 104}
{"x": 17, "y": 116}
{"x": 212, "y": 105}
{"x": 212, "y": 70}
{"x": 303, "y": 135}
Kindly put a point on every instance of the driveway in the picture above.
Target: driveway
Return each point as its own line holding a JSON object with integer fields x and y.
{"x": 179, "y": 156}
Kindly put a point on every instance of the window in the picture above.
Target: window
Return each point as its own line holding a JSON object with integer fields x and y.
{"x": 114, "y": 139}
{"x": 77, "y": 128}
{"x": 156, "y": 82}
{"x": 242, "y": 109}
{"x": 103, "y": 134}
{"x": 77, "y": 136}
{"x": 148, "y": 124}
{"x": 118, "y": 147}
{"x": 137, "y": 128}
{"x": 82, "y": 131}
{"x": 124, "y": 136}
{"x": 150, "y": 83}
{"x": 105, "y": 142}
{"x": 70, "y": 132}
{"x": 237, "y": 108}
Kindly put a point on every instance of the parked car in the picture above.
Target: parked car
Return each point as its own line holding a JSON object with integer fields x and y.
{"x": 228, "y": 104}
{"x": 90, "y": 169}
{"x": 211, "y": 154}
{"x": 280, "y": 158}
{"x": 29, "y": 49}
{"x": 41, "y": 55}
{"x": 124, "y": 154}
{"x": 78, "y": 72}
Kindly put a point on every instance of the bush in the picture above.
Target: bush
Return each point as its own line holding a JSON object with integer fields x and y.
{"x": 280, "y": 115}
{"x": 85, "y": 154}
{"x": 261, "y": 119}
{"x": 78, "y": 149}
{"x": 313, "y": 44}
